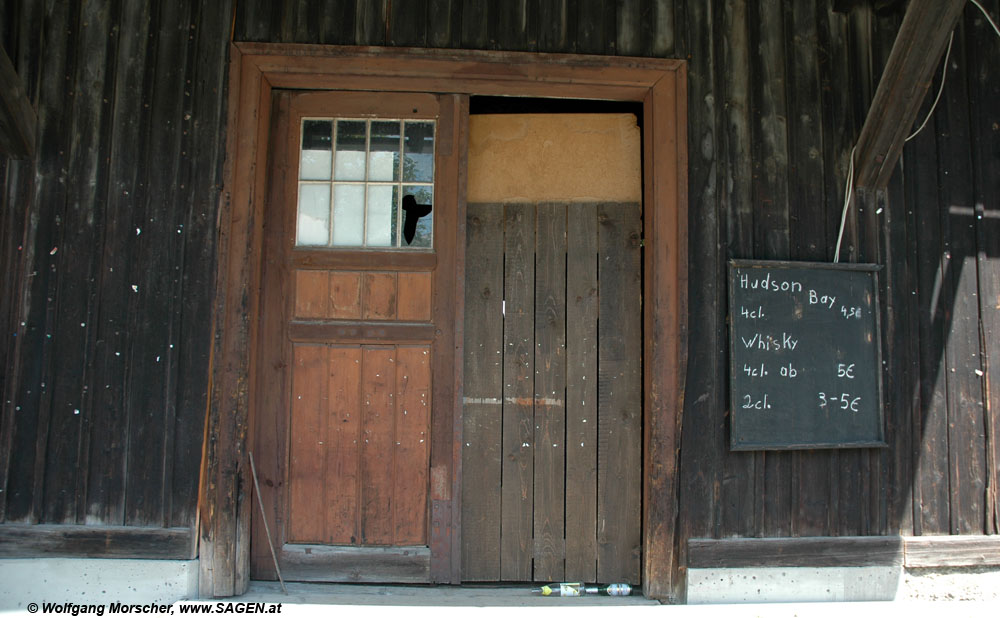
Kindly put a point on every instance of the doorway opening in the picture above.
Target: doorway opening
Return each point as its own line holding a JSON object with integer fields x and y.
{"x": 552, "y": 407}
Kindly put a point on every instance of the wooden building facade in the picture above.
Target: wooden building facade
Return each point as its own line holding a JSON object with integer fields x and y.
{"x": 131, "y": 286}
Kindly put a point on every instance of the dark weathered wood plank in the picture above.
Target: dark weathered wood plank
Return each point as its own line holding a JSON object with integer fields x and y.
{"x": 737, "y": 492}
{"x": 33, "y": 376}
{"x": 550, "y": 392}
{"x": 408, "y": 23}
{"x": 150, "y": 394}
{"x": 553, "y": 22}
{"x": 370, "y": 23}
{"x": 658, "y": 28}
{"x": 930, "y": 479}
{"x": 516, "y": 501}
{"x": 796, "y": 552}
{"x": 17, "y": 116}
{"x": 628, "y": 31}
{"x": 483, "y": 393}
{"x": 337, "y": 22}
{"x": 195, "y": 225}
{"x": 899, "y": 330}
{"x": 445, "y": 19}
{"x": 771, "y": 209}
{"x": 129, "y": 136}
{"x": 808, "y": 236}
{"x": 513, "y": 26}
{"x": 581, "y": 392}
{"x": 962, "y": 354}
{"x": 86, "y": 197}
{"x": 619, "y": 393}
{"x": 475, "y": 20}
{"x": 915, "y": 56}
{"x": 47, "y": 541}
{"x": 702, "y": 455}
{"x": 986, "y": 173}
{"x": 595, "y": 20}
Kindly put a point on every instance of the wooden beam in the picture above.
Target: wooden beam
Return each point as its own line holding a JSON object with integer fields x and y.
{"x": 17, "y": 116}
{"x": 911, "y": 551}
{"x": 795, "y": 552}
{"x": 908, "y": 74}
{"x": 950, "y": 551}
{"x": 47, "y": 541}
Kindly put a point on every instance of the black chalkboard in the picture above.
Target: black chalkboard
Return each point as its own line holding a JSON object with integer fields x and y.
{"x": 805, "y": 356}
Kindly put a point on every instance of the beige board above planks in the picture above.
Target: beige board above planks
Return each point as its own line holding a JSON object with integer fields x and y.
{"x": 352, "y": 295}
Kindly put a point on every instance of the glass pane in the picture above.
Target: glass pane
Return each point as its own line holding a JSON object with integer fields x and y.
{"x": 348, "y": 215}
{"x": 419, "y": 217}
{"x": 350, "y": 163}
{"x": 314, "y": 163}
{"x": 383, "y": 160}
{"x": 418, "y": 161}
{"x": 381, "y": 215}
{"x": 314, "y": 215}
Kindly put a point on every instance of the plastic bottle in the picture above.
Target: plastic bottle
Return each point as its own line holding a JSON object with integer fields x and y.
{"x": 611, "y": 590}
{"x": 576, "y": 589}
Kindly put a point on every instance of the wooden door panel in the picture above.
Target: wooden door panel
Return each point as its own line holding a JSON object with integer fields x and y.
{"x": 351, "y": 346}
{"x": 378, "y": 376}
{"x": 343, "y": 474}
{"x": 412, "y": 444}
{"x": 308, "y": 445}
{"x": 359, "y": 445}
{"x": 566, "y": 409}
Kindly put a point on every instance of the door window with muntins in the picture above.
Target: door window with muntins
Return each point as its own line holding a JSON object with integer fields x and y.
{"x": 366, "y": 183}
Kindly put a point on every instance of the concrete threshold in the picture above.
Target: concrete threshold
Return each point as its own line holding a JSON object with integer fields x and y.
{"x": 416, "y": 596}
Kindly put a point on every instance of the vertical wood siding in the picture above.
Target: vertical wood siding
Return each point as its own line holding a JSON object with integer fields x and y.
{"x": 109, "y": 258}
{"x": 123, "y": 192}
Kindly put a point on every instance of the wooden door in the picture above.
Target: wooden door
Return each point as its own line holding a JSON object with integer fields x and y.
{"x": 354, "y": 361}
{"x": 553, "y": 351}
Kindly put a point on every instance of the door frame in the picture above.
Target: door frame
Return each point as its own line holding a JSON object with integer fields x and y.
{"x": 226, "y": 497}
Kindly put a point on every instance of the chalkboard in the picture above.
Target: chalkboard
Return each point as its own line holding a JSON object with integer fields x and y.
{"x": 805, "y": 356}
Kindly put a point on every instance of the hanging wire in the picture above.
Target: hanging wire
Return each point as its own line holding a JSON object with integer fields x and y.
{"x": 848, "y": 194}
{"x": 988, "y": 18}
{"x": 944, "y": 75}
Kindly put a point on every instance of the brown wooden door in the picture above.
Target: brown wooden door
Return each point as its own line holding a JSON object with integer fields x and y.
{"x": 354, "y": 358}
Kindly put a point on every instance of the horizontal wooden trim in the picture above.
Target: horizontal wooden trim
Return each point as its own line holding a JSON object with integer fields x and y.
{"x": 455, "y": 71}
{"x": 942, "y": 551}
{"x": 365, "y": 260}
{"x": 796, "y": 552}
{"x": 913, "y": 552}
{"x": 355, "y": 564}
{"x": 360, "y": 332}
{"x": 48, "y": 540}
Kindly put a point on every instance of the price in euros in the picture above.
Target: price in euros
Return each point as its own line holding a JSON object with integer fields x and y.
{"x": 844, "y": 402}
{"x": 845, "y": 371}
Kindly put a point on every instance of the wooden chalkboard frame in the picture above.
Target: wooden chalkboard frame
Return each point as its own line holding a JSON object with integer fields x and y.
{"x": 737, "y": 441}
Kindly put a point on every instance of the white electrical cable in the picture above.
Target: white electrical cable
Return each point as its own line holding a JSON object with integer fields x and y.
{"x": 848, "y": 191}
{"x": 944, "y": 75}
{"x": 988, "y": 18}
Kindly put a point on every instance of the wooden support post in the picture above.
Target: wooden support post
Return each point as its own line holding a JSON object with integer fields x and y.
{"x": 17, "y": 116}
{"x": 908, "y": 75}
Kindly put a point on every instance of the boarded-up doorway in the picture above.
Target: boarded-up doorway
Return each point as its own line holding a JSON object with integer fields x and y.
{"x": 552, "y": 457}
